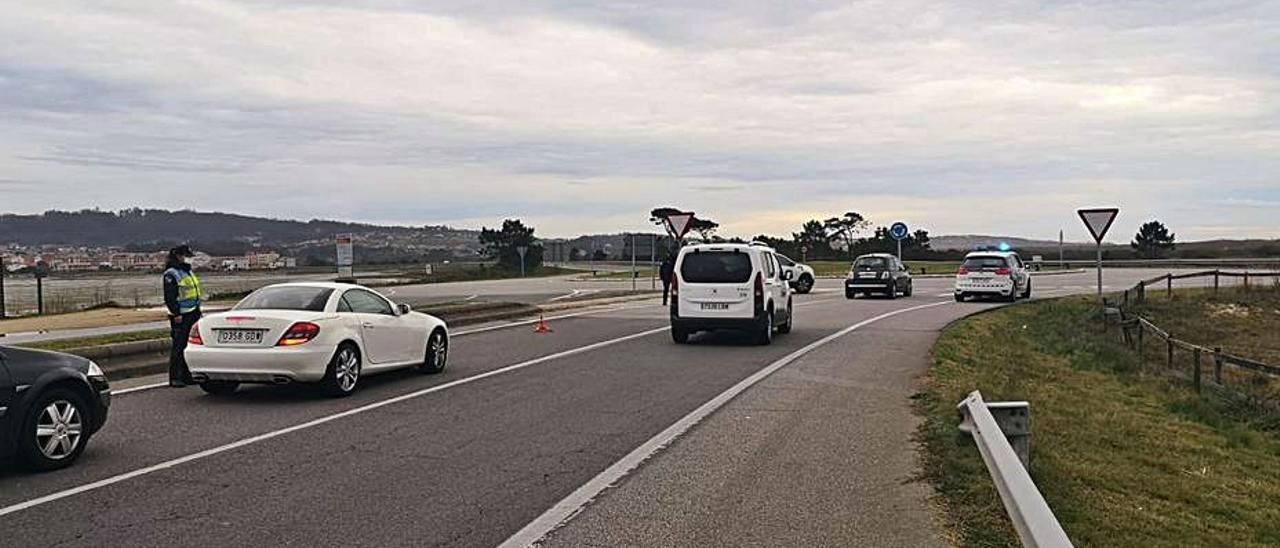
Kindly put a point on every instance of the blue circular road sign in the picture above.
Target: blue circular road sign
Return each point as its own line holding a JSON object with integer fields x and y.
{"x": 898, "y": 231}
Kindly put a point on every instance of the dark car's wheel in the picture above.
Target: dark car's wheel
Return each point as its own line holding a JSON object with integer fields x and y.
{"x": 786, "y": 327}
{"x": 892, "y": 293}
{"x": 959, "y": 297}
{"x": 55, "y": 431}
{"x": 804, "y": 284}
{"x": 764, "y": 331}
{"x": 910, "y": 289}
{"x": 437, "y": 356}
{"x": 343, "y": 375}
{"x": 850, "y": 294}
{"x": 219, "y": 388}
{"x": 1027, "y": 294}
{"x": 680, "y": 336}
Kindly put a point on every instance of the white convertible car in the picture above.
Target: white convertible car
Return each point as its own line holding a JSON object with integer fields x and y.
{"x": 326, "y": 333}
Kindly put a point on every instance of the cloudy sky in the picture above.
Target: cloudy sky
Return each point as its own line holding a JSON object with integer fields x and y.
{"x": 967, "y": 117}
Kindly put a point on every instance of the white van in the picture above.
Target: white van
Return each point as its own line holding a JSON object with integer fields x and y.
{"x": 730, "y": 286}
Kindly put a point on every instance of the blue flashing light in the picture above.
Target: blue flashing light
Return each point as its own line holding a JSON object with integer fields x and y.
{"x": 1004, "y": 246}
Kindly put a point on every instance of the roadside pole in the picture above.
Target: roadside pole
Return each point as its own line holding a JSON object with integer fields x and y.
{"x": 633, "y": 262}
{"x": 653, "y": 266}
{"x": 522, "y": 249}
{"x": 2, "y": 271}
{"x": 1061, "y": 256}
{"x": 1098, "y": 221}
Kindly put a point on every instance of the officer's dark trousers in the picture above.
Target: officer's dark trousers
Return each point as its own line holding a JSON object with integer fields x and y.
{"x": 179, "y": 331}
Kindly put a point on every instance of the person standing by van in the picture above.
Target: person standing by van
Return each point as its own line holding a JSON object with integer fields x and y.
{"x": 667, "y": 272}
{"x": 182, "y": 297}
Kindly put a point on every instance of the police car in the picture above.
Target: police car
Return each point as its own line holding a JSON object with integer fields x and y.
{"x": 730, "y": 286}
{"x": 999, "y": 274}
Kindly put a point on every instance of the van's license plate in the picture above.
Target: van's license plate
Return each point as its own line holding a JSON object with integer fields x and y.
{"x": 715, "y": 306}
{"x": 239, "y": 336}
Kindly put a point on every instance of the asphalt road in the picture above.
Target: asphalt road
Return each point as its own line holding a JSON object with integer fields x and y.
{"x": 818, "y": 453}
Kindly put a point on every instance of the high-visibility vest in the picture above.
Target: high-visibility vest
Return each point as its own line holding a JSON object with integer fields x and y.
{"x": 188, "y": 290}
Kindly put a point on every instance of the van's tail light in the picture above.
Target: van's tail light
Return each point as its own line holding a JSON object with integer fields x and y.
{"x": 1002, "y": 272}
{"x": 675, "y": 287}
{"x": 759, "y": 292}
{"x": 194, "y": 337}
{"x": 299, "y": 333}
{"x": 962, "y": 271}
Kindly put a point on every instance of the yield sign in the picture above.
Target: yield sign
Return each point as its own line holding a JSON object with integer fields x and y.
{"x": 678, "y": 224}
{"x": 1098, "y": 220}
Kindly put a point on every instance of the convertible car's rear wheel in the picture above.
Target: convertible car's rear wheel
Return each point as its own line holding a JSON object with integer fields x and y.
{"x": 343, "y": 375}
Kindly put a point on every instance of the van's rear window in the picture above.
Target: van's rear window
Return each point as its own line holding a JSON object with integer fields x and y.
{"x": 985, "y": 263}
{"x": 716, "y": 267}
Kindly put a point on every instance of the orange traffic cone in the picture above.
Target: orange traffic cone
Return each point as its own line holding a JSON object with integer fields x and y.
{"x": 542, "y": 326}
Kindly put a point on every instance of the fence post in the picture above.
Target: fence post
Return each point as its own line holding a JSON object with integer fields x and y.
{"x": 1169, "y": 343}
{"x": 1195, "y": 375}
{"x": 1217, "y": 364}
{"x": 1169, "y": 283}
{"x": 1216, "y": 273}
{"x": 39, "y": 295}
{"x": 1126, "y": 298}
{"x": 1141, "y": 339}
{"x": 1142, "y": 292}
{"x": 1246, "y": 280}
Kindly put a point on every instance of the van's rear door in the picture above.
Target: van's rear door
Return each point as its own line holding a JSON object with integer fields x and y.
{"x": 716, "y": 283}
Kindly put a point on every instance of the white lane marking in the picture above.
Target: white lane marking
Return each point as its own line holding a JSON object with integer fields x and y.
{"x": 138, "y": 388}
{"x": 455, "y": 334}
{"x": 471, "y": 298}
{"x": 314, "y": 422}
{"x": 568, "y": 295}
{"x": 566, "y": 509}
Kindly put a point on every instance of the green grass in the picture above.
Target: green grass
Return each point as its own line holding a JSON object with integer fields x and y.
{"x": 65, "y": 344}
{"x": 1124, "y": 458}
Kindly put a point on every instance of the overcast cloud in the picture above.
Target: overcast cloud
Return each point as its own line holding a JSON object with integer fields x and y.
{"x": 973, "y": 117}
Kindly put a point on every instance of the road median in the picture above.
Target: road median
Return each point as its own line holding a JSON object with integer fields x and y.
{"x": 147, "y": 351}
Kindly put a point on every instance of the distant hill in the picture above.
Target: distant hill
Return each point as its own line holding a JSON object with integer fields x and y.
{"x": 1074, "y": 250}
{"x": 217, "y": 233}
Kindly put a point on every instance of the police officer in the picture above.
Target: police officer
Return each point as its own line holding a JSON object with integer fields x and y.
{"x": 667, "y": 272}
{"x": 182, "y": 298}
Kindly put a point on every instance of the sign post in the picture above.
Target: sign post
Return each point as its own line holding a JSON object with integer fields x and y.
{"x": 42, "y": 270}
{"x": 345, "y": 256}
{"x": 522, "y": 249}
{"x": 899, "y": 232}
{"x": 1099, "y": 222}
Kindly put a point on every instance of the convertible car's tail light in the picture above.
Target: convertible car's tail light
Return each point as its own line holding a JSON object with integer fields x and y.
{"x": 299, "y": 333}
{"x": 194, "y": 337}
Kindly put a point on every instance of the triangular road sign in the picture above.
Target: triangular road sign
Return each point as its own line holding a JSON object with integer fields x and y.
{"x": 678, "y": 224}
{"x": 1099, "y": 221}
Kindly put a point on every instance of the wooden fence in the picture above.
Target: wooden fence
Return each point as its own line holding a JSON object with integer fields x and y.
{"x": 1135, "y": 329}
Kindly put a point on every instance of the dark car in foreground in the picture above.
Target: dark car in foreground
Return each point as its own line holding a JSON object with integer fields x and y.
{"x": 878, "y": 273}
{"x": 50, "y": 405}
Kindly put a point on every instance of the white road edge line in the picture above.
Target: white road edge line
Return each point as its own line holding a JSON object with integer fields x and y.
{"x": 455, "y": 334}
{"x": 566, "y": 509}
{"x": 312, "y": 423}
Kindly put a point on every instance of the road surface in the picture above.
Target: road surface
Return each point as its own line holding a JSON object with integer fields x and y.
{"x": 524, "y": 427}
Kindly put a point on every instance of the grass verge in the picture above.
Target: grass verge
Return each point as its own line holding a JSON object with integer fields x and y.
{"x": 1124, "y": 457}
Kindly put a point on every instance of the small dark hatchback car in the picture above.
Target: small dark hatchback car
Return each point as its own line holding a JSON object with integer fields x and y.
{"x": 50, "y": 405}
{"x": 878, "y": 273}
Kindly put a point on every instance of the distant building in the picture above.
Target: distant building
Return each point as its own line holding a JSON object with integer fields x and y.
{"x": 138, "y": 261}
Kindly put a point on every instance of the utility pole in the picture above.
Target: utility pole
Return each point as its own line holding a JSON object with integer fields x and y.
{"x": 1060, "y": 244}
{"x": 653, "y": 265}
{"x": 633, "y": 262}
{"x": 2, "y": 272}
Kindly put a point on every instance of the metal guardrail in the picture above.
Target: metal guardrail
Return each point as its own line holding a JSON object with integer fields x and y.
{"x": 1034, "y": 521}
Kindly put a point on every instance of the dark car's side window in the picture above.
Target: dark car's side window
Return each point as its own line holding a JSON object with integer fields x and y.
{"x": 364, "y": 302}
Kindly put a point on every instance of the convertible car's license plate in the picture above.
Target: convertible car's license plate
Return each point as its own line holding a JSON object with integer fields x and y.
{"x": 239, "y": 336}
